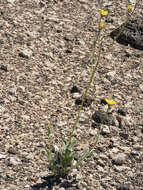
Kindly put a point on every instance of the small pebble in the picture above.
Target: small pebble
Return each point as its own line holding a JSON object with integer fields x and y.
{"x": 74, "y": 89}
{"x": 103, "y": 101}
{"x": 4, "y": 68}
{"x": 119, "y": 159}
{"x": 122, "y": 111}
{"x": 13, "y": 161}
{"x": 105, "y": 130}
{"x": 2, "y": 156}
{"x": 11, "y": 150}
{"x": 124, "y": 135}
{"x": 25, "y": 54}
{"x": 124, "y": 187}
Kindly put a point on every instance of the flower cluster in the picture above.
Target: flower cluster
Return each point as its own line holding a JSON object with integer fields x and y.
{"x": 103, "y": 13}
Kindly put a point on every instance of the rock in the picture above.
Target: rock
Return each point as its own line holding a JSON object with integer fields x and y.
{"x": 1, "y": 170}
{"x": 74, "y": 89}
{"x": 124, "y": 187}
{"x": 86, "y": 103}
{"x": 111, "y": 75}
{"x": 121, "y": 121}
{"x": 12, "y": 98}
{"x": 32, "y": 34}
{"x": 12, "y": 91}
{"x": 68, "y": 51}
{"x": 142, "y": 130}
{"x": 42, "y": 4}
{"x": 109, "y": 20}
{"x": 76, "y": 95}
{"x": 11, "y": 150}
{"x": 61, "y": 188}
{"x": 137, "y": 55}
{"x": 128, "y": 53}
{"x": 121, "y": 168}
{"x": 4, "y": 68}
{"x": 26, "y": 54}
{"x": 2, "y": 156}
{"x": 122, "y": 111}
{"x": 55, "y": 149}
{"x": 119, "y": 159}
{"x": 141, "y": 87}
{"x": 99, "y": 114}
{"x": 124, "y": 135}
{"x": 103, "y": 101}
{"x": 11, "y": 1}
{"x": 68, "y": 38}
{"x": 2, "y": 109}
{"x": 83, "y": 117}
{"x": 25, "y": 117}
{"x": 132, "y": 33}
{"x": 100, "y": 169}
{"x": 14, "y": 161}
{"x": 93, "y": 132}
{"x": 113, "y": 151}
{"x": 105, "y": 130}
{"x": 61, "y": 123}
{"x": 2, "y": 101}
{"x": 133, "y": 2}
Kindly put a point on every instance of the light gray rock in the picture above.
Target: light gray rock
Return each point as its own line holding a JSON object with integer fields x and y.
{"x": 121, "y": 168}
{"x": 119, "y": 158}
{"x": 111, "y": 74}
{"x": 14, "y": 161}
{"x": 76, "y": 95}
{"x": 93, "y": 132}
{"x": 56, "y": 148}
{"x": 26, "y": 117}
{"x": 61, "y": 123}
{"x": 2, "y": 156}
{"x": 105, "y": 130}
{"x": 1, "y": 170}
{"x": 2, "y": 109}
{"x": 25, "y": 53}
{"x": 83, "y": 117}
{"x": 62, "y": 188}
{"x": 11, "y": 1}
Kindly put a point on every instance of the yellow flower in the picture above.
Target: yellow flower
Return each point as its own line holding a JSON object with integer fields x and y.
{"x": 103, "y": 13}
{"x": 130, "y": 8}
{"x": 110, "y": 102}
{"x": 50, "y": 127}
{"x": 101, "y": 25}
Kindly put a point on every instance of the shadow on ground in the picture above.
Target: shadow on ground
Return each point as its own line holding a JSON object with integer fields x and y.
{"x": 52, "y": 180}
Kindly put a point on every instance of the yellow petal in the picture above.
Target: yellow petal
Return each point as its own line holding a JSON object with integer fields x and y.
{"x": 102, "y": 24}
{"x": 130, "y": 8}
{"x": 50, "y": 127}
{"x": 110, "y": 102}
{"x": 103, "y": 13}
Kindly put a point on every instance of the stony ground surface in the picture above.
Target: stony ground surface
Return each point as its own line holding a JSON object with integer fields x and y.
{"x": 45, "y": 48}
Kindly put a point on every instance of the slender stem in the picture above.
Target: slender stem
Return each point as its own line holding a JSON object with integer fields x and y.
{"x": 94, "y": 47}
{"x": 84, "y": 95}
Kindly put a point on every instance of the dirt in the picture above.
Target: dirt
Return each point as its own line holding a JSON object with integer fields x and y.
{"x": 45, "y": 51}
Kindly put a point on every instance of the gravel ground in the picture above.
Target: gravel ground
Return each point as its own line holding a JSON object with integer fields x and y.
{"x": 45, "y": 48}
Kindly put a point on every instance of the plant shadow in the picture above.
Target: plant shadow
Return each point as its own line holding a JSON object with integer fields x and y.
{"x": 53, "y": 180}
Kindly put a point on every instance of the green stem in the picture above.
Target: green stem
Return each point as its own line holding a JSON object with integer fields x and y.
{"x": 94, "y": 48}
{"x": 84, "y": 95}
